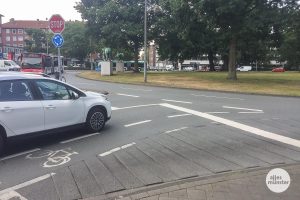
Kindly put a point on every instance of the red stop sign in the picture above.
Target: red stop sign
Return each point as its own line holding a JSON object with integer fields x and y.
{"x": 56, "y": 23}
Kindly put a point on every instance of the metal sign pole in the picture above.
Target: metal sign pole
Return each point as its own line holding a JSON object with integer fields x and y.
{"x": 145, "y": 43}
{"x": 59, "y": 63}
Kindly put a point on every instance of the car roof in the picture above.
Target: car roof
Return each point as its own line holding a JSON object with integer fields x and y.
{"x": 19, "y": 75}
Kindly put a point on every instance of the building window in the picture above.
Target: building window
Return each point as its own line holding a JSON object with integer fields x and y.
{"x": 14, "y": 38}
{"x": 15, "y": 45}
{"x": 21, "y": 45}
{"x": 7, "y": 31}
{"x": 8, "y": 38}
{"x": 20, "y": 31}
{"x": 20, "y": 38}
{"x": 14, "y": 31}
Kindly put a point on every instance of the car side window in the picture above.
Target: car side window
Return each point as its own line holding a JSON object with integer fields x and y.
{"x": 15, "y": 90}
{"x": 7, "y": 64}
{"x": 52, "y": 90}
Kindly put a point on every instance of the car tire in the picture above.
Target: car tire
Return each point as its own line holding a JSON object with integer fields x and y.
{"x": 1, "y": 144}
{"x": 96, "y": 119}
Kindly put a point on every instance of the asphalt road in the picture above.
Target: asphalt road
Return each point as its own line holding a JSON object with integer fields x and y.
{"x": 155, "y": 135}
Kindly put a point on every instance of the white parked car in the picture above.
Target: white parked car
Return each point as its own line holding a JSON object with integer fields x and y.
{"x": 9, "y": 65}
{"x": 170, "y": 68}
{"x": 32, "y": 104}
{"x": 244, "y": 68}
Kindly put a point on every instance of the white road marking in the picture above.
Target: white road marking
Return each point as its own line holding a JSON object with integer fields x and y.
{"x": 217, "y": 112}
{"x": 12, "y": 195}
{"x": 79, "y": 138}
{"x": 177, "y": 101}
{"x": 178, "y": 129}
{"x": 250, "y": 129}
{"x": 127, "y": 95}
{"x": 237, "y": 108}
{"x": 116, "y": 149}
{"x": 85, "y": 83}
{"x": 19, "y": 154}
{"x": 125, "y": 88}
{"x": 25, "y": 184}
{"x": 137, "y": 123}
{"x": 251, "y": 112}
{"x": 114, "y": 108}
{"x": 182, "y": 115}
{"x": 198, "y": 95}
{"x": 138, "y": 106}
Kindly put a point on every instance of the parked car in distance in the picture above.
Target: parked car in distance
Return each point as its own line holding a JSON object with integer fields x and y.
{"x": 77, "y": 65}
{"x": 244, "y": 68}
{"x": 278, "y": 69}
{"x": 218, "y": 68}
{"x": 9, "y": 65}
{"x": 170, "y": 68}
{"x": 52, "y": 105}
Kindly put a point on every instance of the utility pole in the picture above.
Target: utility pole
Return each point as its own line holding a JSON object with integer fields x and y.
{"x": 145, "y": 43}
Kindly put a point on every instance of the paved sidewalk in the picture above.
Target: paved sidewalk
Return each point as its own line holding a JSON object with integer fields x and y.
{"x": 244, "y": 185}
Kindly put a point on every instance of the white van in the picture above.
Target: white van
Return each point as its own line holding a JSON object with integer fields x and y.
{"x": 9, "y": 65}
{"x": 244, "y": 68}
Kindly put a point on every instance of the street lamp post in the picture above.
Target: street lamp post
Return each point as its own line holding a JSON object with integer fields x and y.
{"x": 145, "y": 43}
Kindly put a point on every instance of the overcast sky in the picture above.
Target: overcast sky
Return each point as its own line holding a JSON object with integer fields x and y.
{"x": 38, "y": 9}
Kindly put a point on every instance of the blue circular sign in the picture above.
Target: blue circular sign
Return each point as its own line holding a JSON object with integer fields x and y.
{"x": 58, "y": 40}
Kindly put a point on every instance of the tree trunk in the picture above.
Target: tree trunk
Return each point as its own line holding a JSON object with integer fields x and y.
{"x": 225, "y": 62}
{"x": 211, "y": 61}
{"x": 232, "y": 59}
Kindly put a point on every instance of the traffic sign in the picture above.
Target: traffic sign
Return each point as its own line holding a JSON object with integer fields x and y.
{"x": 56, "y": 24}
{"x": 58, "y": 40}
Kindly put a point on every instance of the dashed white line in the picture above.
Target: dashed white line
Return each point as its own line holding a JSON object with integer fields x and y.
{"x": 217, "y": 112}
{"x": 25, "y": 184}
{"x": 138, "y": 106}
{"x": 253, "y": 112}
{"x": 19, "y": 154}
{"x": 249, "y": 129}
{"x": 182, "y": 115}
{"x": 199, "y": 95}
{"x": 186, "y": 102}
{"x": 114, "y": 108}
{"x": 79, "y": 138}
{"x": 127, "y": 95}
{"x": 116, "y": 149}
{"x": 175, "y": 130}
{"x": 125, "y": 88}
{"x": 137, "y": 123}
{"x": 237, "y": 108}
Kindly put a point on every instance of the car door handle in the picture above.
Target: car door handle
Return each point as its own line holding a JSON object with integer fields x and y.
{"x": 50, "y": 107}
{"x": 6, "y": 109}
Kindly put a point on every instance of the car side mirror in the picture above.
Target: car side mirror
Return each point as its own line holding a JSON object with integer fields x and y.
{"x": 74, "y": 95}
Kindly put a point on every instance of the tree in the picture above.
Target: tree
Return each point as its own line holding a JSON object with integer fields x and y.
{"x": 76, "y": 41}
{"x": 237, "y": 19}
{"x": 117, "y": 24}
{"x": 36, "y": 42}
{"x": 290, "y": 48}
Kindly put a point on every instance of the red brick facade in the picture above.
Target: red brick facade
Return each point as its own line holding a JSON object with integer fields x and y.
{"x": 12, "y": 34}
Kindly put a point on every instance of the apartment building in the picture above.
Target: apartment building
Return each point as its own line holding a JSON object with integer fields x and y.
{"x": 13, "y": 34}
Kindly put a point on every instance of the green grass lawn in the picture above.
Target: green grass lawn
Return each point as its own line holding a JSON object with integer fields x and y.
{"x": 287, "y": 83}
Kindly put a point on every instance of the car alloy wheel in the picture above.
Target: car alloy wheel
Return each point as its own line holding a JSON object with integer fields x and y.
{"x": 96, "y": 119}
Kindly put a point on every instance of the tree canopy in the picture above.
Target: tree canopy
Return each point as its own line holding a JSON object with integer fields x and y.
{"x": 241, "y": 31}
